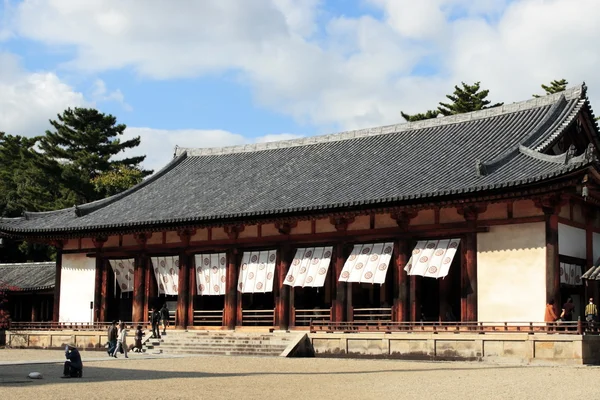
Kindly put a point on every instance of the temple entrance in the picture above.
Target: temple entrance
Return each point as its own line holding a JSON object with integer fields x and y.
{"x": 208, "y": 310}
{"x": 310, "y": 304}
{"x": 119, "y": 292}
{"x": 371, "y": 302}
{"x": 258, "y": 309}
{"x": 436, "y": 267}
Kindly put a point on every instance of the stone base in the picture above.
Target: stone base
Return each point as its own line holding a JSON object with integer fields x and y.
{"x": 505, "y": 347}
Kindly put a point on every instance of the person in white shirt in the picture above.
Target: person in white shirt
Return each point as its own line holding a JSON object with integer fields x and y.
{"x": 121, "y": 340}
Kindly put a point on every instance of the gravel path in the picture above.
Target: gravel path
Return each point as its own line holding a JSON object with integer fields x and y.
{"x": 209, "y": 377}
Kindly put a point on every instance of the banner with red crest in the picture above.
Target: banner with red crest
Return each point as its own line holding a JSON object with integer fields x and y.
{"x": 166, "y": 270}
{"x": 210, "y": 274}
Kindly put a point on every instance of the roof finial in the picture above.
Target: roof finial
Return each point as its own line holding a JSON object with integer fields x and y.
{"x": 175, "y": 153}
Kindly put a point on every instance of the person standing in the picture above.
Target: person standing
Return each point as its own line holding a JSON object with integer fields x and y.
{"x": 155, "y": 319}
{"x": 73, "y": 367}
{"x": 567, "y": 310}
{"x": 112, "y": 338}
{"x": 121, "y": 340}
{"x": 164, "y": 315}
{"x": 139, "y": 334}
{"x": 550, "y": 316}
{"x": 591, "y": 314}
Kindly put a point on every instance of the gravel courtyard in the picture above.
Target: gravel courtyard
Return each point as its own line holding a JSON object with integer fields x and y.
{"x": 208, "y": 377}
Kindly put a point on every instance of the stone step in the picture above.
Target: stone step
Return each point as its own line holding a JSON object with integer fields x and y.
{"x": 225, "y": 352}
{"x": 167, "y": 346}
{"x": 252, "y": 342}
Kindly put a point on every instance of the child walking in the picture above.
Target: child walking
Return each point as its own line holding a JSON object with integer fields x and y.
{"x": 121, "y": 340}
{"x": 139, "y": 334}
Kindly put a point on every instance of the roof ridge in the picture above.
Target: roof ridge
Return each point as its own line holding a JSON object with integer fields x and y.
{"x": 569, "y": 94}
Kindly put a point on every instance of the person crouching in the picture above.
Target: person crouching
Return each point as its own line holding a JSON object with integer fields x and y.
{"x": 73, "y": 366}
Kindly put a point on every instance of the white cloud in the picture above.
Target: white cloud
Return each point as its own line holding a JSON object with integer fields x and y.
{"x": 353, "y": 72}
{"x": 101, "y": 94}
{"x": 159, "y": 144}
{"x": 28, "y": 100}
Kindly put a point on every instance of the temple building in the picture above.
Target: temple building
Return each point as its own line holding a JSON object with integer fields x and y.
{"x": 481, "y": 216}
{"x": 28, "y": 289}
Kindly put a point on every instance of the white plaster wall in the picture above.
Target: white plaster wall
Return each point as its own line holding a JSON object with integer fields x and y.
{"x": 511, "y": 273}
{"x": 596, "y": 249}
{"x": 77, "y": 282}
{"x": 571, "y": 241}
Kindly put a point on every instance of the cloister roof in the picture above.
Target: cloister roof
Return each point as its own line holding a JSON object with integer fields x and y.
{"x": 27, "y": 276}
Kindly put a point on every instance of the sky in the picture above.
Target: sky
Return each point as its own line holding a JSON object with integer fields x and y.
{"x": 227, "y": 72}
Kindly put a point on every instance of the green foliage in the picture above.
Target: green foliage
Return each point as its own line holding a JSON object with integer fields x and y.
{"x": 81, "y": 148}
{"x": 420, "y": 116}
{"x": 117, "y": 180}
{"x": 554, "y": 87}
{"x": 72, "y": 164}
{"x": 466, "y": 99}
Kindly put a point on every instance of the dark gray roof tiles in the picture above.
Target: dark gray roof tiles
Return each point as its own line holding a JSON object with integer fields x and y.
{"x": 27, "y": 276}
{"x": 425, "y": 159}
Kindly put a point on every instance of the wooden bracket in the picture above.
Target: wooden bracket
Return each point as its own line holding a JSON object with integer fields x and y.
{"x": 233, "y": 231}
{"x": 341, "y": 223}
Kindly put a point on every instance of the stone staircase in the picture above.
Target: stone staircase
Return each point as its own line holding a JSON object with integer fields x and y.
{"x": 220, "y": 343}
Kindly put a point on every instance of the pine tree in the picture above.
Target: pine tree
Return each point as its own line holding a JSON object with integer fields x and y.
{"x": 420, "y": 116}
{"x": 554, "y": 87}
{"x": 466, "y": 99}
{"x": 80, "y": 149}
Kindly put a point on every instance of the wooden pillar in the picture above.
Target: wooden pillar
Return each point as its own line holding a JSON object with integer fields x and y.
{"x": 338, "y": 303}
{"x": 552, "y": 262}
{"x": 182, "y": 292}
{"x": 590, "y": 286}
{"x": 232, "y": 299}
{"x": 139, "y": 290}
{"x": 191, "y": 290}
{"x": 471, "y": 279}
{"x": 468, "y": 301}
{"x": 148, "y": 272}
{"x": 551, "y": 205}
{"x": 400, "y": 282}
{"x": 34, "y": 308}
{"x": 56, "y": 308}
{"x": 99, "y": 283}
{"x": 282, "y": 300}
{"x": 104, "y": 292}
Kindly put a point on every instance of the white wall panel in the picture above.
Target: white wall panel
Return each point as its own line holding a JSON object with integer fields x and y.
{"x": 571, "y": 241}
{"x": 596, "y": 241}
{"x": 77, "y": 282}
{"x": 511, "y": 273}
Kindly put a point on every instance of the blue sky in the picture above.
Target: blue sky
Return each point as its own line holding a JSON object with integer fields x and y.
{"x": 228, "y": 72}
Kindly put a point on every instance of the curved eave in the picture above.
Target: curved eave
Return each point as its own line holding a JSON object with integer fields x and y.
{"x": 141, "y": 225}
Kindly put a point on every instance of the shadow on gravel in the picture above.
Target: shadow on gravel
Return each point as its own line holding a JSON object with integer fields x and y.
{"x": 16, "y": 375}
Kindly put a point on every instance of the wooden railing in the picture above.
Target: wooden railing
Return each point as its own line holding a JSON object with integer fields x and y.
{"x": 572, "y": 327}
{"x": 373, "y": 314}
{"x": 304, "y": 317}
{"x": 62, "y": 326}
{"x": 208, "y": 317}
{"x": 258, "y": 317}
{"x": 172, "y": 315}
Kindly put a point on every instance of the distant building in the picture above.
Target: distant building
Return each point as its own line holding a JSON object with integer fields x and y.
{"x": 481, "y": 216}
{"x": 29, "y": 289}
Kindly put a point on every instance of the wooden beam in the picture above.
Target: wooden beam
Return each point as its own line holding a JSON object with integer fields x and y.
{"x": 182, "y": 292}
{"x": 191, "y": 290}
{"x": 340, "y": 287}
{"x": 282, "y": 299}
{"x": 139, "y": 291}
{"x": 98, "y": 284}
{"x": 230, "y": 317}
{"x": 400, "y": 281}
{"x": 58, "y": 269}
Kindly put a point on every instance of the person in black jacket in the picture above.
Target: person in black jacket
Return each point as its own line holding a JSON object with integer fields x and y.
{"x": 73, "y": 366}
{"x": 112, "y": 338}
{"x": 164, "y": 315}
{"x": 155, "y": 319}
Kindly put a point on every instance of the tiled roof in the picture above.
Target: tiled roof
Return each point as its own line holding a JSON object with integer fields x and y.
{"x": 461, "y": 154}
{"x": 27, "y": 276}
